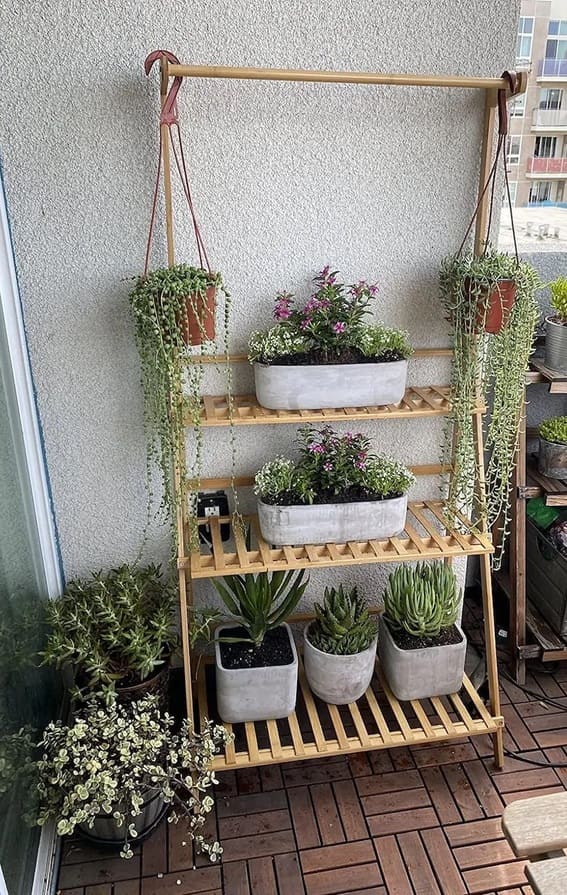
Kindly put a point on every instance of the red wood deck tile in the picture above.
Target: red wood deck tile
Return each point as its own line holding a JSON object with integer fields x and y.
{"x": 440, "y": 795}
{"x": 415, "y": 858}
{"x": 485, "y": 787}
{"x": 443, "y": 862}
{"x": 254, "y": 824}
{"x": 350, "y": 810}
{"x": 252, "y": 803}
{"x": 484, "y": 855}
{"x": 288, "y": 875}
{"x": 392, "y": 866}
{"x": 248, "y": 780}
{"x": 450, "y": 753}
{"x": 400, "y": 821}
{"x": 342, "y": 881}
{"x": 235, "y": 878}
{"x": 246, "y": 847}
{"x": 127, "y": 887}
{"x": 271, "y": 777}
{"x": 331, "y": 856}
{"x": 303, "y": 817}
{"x": 475, "y": 831}
{"x": 327, "y": 814}
{"x": 322, "y": 772}
{"x": 463, "y": 793}
{"x": 93, "y": 873}
{"x": 262, "y": 877}
{"x": 534, "y": 778}
{"x": 154, "y": 851}
{"x": 398, "y": 780}
{"x": 488, "y": 879}
{"x": 201, "y": 880}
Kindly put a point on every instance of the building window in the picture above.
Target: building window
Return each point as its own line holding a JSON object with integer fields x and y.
{"x": 557, "y": 27}
{"x": 525, "y": 39}
{"x": 545, "y": 147}
{"x": 518, "y": 106}
{"x": 513, "y": 146}
{"x": 550, "y": 98}
{"x": 540, "y": 191}
{"x": 513, "y": 184}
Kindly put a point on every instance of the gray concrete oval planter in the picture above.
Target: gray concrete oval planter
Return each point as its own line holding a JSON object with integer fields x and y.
{"x": 421, "y": 673}
{"x": 555, "y": 346}
{"x": 106, "y": 832}
{"x": 255, "y": 694}
{"x": 338, "y": 679}
{"x": 332, "y": 523}
{"x": 309, "y": 387}
{"x": 552, "y": 459}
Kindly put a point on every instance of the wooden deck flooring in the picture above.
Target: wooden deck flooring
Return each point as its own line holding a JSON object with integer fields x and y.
{"x": 420, "y": 821}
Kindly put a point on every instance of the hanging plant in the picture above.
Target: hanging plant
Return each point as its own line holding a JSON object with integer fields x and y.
{"x": 489, "y": 367}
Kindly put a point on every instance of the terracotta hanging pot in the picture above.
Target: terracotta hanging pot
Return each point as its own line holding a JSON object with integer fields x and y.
{"x": 198, "y": 324}
{"x": 494, "y": 306}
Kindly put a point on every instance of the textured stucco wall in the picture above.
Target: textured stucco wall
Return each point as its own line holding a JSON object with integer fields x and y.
{"x": 378, "y": 182}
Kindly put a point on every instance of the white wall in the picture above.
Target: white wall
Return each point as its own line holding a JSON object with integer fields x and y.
{"x": 378, "y": 182}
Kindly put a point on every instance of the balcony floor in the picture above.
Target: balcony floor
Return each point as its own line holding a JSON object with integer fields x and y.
{"x": 423, "y": 820}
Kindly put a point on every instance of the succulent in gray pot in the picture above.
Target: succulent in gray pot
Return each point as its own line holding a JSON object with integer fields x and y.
{"x": 256, "y": 658}
{"x": 340, "y": 647}
{"x": 116, "y": 630}
{"x": 552, "y": 458}
{"x": 421, "y": 647}
{"x": 556, "y": 328}
{"x": 326, "y": 354}
{"x": 113, "y": 771}
{"x": 337, "y": 491}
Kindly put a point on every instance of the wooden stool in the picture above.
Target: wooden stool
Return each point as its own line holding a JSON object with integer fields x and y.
{"x": 537, "y": 828}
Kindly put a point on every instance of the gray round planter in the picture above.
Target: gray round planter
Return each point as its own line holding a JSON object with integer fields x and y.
{"x": 421, "y": 673}
{"x": 338, "y": 679}
{"x": 255, "y": 694}
{"x": 105, "y": 831}
{"x": 309, "y": 387}
{"x": 332, "y": 523}
{"x": 556, "y": 346}
{"x": 552, "y": 459}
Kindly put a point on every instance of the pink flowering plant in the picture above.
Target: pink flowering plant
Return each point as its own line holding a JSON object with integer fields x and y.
{"x": 331, "y": 468}
{"x": 330, "y": 328}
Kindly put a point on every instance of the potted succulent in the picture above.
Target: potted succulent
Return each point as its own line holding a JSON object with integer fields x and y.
{"x": 112, "y": 772}
{"x": 300, "y": 362}
{"x": 340, "y": 647}
{"x": 421, "y": 647}
{"x": 337, "y": 491}
{"x": 116, "y": 630}
{"x": 256, "y": 658}
{"x": 552, "y": 459}
{"x": 489, "y": 366}
{"x": 556, "y": 328}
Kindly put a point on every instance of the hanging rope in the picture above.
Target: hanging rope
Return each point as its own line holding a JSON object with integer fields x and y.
{"x": 170, "y": 119}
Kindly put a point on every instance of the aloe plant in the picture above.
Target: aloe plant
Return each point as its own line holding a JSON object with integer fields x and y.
{"x": 261, "y": 603}
{"x": 423, "y": 600}
{"x": 343, "y": 626}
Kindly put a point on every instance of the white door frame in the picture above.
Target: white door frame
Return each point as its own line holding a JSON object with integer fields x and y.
{"x": 10, "y": 307}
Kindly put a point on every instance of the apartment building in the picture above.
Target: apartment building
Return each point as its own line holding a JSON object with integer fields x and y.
{"x": 537, "y": 145}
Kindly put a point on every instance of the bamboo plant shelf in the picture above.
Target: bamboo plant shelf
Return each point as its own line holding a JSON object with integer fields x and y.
{"x": 378, "y": 720}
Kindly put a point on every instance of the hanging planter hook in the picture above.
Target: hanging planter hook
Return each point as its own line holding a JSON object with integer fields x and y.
{"x": 169, "y": 111}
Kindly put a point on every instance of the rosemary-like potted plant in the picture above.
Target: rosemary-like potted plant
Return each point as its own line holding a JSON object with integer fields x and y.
{"x": 552, "y": 458}
{"x": 170, "y": 310}
{"x": 488, "y": 367}
{"x": 116, "y": 630}
{"x": 300, "y": 362}
{"x": 340, "y": 647}
{"x": 556, "y": 328}
{"x": 256, "y": 658}
{"x": 113, "y": 770}
{"x": 337, "y": 491}
{"x": 422, "y": 649}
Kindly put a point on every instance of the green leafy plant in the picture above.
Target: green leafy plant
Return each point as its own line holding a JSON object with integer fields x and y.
{"x": 343, "y": 625}
{"x": 160, "y": 302}
{"x": 261, "y": 603}
{"x": 554, "y": 429}
{"x": 559, "y": 298}
{"x": 330, "y": 328}
{"x": 487, "y": 369}
{"x": 111, "y": 759}
{"x": 116, "y": 628}
{"x": 422, "y": 600}
{"x": 331, "y": 465}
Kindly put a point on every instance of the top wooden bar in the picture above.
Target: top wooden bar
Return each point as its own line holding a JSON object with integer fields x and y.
{"x": 333, "y": 77}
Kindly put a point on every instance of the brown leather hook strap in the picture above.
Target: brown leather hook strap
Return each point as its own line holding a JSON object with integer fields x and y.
{"x": 169, "y": 112}
{"x": 514, "y": 84}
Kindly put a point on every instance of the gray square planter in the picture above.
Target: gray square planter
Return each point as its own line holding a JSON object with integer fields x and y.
{"x": 421, "y": 673}
{"x": 332, "y": 523}
{"x": 309, "y": 387}
{"x": 255, "y": 694}
{"x": 338, "y": 679}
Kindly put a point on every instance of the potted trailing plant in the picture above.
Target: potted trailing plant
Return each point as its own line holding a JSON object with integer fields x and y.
{"x": 111, "y": 773}
{"x": 116, "y": 630}
{"x": 556, "y": 328}
{"x": 256, "y": 659}
{"x": 340, "y": 647}
{"x": 170, "y": 308}
{"x": 325, "y": 354}
{"x": 552, "y": 459}
{"x": 422, "y": 649}
{"x": 337, "y": 491}
{"x": 489, "y": 366}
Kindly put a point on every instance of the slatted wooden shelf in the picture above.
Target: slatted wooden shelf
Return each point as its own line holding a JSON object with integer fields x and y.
{"x": 557, "y": 381}
{"x": 377, "y": 721}
{"x": 425, "y": 537}
{"x": 553, "y": 491}
{"x": 431, "y": 400}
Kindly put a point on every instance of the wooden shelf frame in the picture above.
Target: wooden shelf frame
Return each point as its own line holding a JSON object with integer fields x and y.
{"x": 416, "y": 545}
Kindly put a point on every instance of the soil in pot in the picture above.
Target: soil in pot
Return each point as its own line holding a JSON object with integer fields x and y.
{"x": 275, "y": 650}
{"x": 316, "y": 358}
{"x": 351, "y": 495}
{"x": 447, "y": 636}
